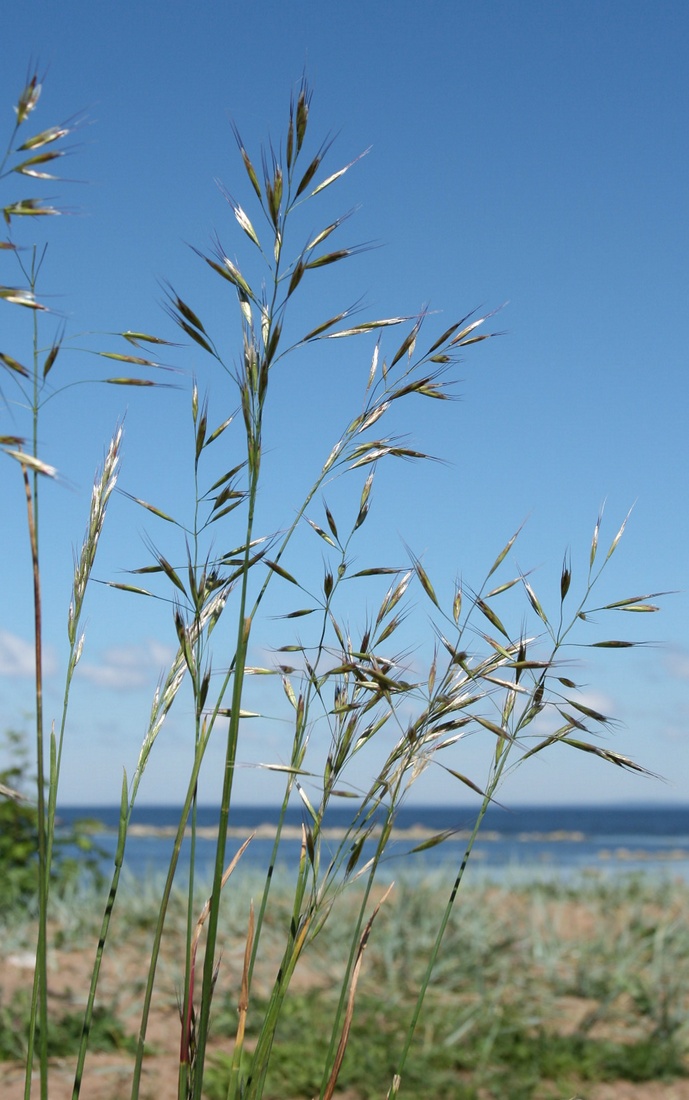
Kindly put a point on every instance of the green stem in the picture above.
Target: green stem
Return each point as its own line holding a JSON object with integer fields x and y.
{"x": 223, "y": 819}
{"x": 125, "y": 813}
{"x": 442, "y": 927}
{"x": 39, "y": 1005}
{"x": 162, "y": 913}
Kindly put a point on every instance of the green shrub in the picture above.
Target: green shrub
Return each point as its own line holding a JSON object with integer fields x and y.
{"x": 107, "y": 1033}
{"x": 76, "y": 854}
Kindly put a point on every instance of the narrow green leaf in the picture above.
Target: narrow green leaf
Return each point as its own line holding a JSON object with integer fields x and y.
{"x": 575, "y": 723}
{"x": 135, "y": 359}
{"x": 644, "y": 607}
{"x": 565, "y": 578}
{"x": 151, "y": 508}
{"x": 321, "y": 532}
{"x": 331, "y": 521}
{"x": 145, "y": 338}
{"x": 364, "y": 502}
{"x": 195, "y": 336}
{"x": 320, "y": 329}
{"x": 474, "y": 339}
{"x": 320, "y": 237}
{"x": 606, "y": 754}
{"x": 289, "y": 691}
{"x": 245, "y": 224}
{"x": 618, "y": 536}
{"x": 187, "y": 312}
{"x": 457, "y": 605}
{"x": 250, "y": 171}
{"x": 50, "y": 358}
{"x": 460, "y": 337}
{"x": 502, "y": 588}
{"x": 533, "y": 600}
{"x": 13, "y": 365}
{"x": 53, "y": 133}
{"x": 444, "y": 338}
{"x": 225, "y": 511}
{"x": 329, "y": 258}
{"x": 130, "y": 382}
{"x": 634, "y": 603}
{"x": 435, "y": 840}
{"x": 504, "y": 552}
{"x": 407, "y": 344}
{"x": 463, "y": 778}
{"x": 379, "y": 571}
{"x": 218, "y": 432}
{"x": 281, "y": 572}
{"x": 389, "y": 629}
{"x": 296, "y": 277}
{"x": 425, "y": 581}
{"x": 228, "y": 493}
{"x": 336, "y": 175}
{"x": 309, "y": 174}
{"x": 129, "y": 588}
{"x": 169, "y": 572}
{"x": 366, "y": 326}
{"x": 520, "y": 665}
{"x": 594, "y": 540}
{"x": 588, "y": 711}
{"x": 491, "y": 616}
{"x": 356, "y": 849}
{"x": 493, "y": 728}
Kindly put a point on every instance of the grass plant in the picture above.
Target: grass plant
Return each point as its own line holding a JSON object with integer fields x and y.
{"x": 345, "y": 686}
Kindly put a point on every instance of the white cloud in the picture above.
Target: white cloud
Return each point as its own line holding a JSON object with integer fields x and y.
{"x": 128, "y": 667}
{"x": 17, "y": 657}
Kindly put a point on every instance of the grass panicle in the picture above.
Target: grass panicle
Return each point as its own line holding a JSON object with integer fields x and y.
{"x": 356, "y": 699}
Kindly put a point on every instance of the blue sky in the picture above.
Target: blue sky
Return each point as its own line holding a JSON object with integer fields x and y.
{"x": 531, "y": 154}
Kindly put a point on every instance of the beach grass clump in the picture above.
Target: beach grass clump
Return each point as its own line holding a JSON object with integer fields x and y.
{"x": 354, "y": 699}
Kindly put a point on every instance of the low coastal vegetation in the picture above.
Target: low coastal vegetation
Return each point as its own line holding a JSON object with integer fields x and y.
{"x": 372, "y": 690}
{"x": 544, "y": 990}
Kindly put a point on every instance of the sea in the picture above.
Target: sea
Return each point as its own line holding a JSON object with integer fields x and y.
{"x": 516, "y": 842}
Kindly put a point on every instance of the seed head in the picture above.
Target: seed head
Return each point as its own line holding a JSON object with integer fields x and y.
{"x": 28, "y": 99}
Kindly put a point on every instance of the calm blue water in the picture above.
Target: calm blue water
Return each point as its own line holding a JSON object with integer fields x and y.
{"x": 532, "y": 841}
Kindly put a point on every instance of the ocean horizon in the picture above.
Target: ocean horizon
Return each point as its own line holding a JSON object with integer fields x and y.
{"x": 524, "y": 840}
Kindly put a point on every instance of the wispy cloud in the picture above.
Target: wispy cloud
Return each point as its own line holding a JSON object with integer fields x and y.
{"x": 17, "y": 656}
{"x": 677, "y": 663}
{"x": 127, "y": 667}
